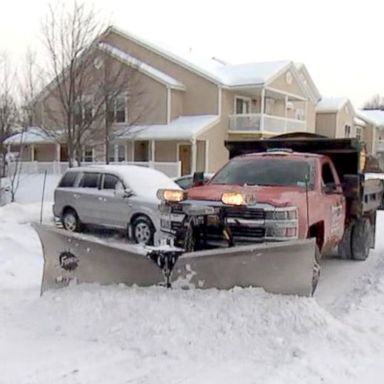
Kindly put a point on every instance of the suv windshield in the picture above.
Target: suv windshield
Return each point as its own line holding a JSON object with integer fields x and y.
{"x": 265, "y": 171}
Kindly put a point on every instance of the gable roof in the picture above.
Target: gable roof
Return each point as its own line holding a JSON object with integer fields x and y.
{"x": 331, "y": 104}
{"x": 308, "y": 82}
{"x": 373, "y": 117}
{"x": 217, "y": 71}
{"x": 141, "y": 66}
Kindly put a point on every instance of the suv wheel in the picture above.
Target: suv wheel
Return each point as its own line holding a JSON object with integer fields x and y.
{"x": 143, "y": 230}
{"x": 71, "y": 221}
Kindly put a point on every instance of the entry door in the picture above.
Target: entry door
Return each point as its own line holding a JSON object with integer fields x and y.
{"x": 185, "y": 158}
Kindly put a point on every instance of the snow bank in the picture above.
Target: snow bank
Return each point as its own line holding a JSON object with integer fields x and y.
{"x": 115, "y": 335}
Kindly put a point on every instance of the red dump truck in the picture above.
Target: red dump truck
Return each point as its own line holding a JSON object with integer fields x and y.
{"x": 285, "y": 188}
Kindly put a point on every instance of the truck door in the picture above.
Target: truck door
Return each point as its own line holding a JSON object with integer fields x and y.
{"x": 333, "y": 205}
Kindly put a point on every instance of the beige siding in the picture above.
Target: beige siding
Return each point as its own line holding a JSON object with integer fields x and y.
{"x": 326, "y": 124}
{"x": 176, "y": 104}
{"x": 45, "y": 152}
{"x": 280, "y": 83}
{"x": 200, "y": 156}
{"x": 152, "y": 108}
{"x": 166, "y": 151}
{"x": 311, "y": 117}
{"x": 217, "y": 153}
{"x": 345, "y": 117}
{"x": 201, "y": 94}
{"x": 369, "y": 138}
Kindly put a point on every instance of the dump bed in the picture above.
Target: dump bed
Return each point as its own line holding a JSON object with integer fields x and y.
{"x": 347, "y": 154}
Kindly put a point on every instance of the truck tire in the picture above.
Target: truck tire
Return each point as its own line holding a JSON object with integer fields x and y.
{"x": 361, "y": 239}
{"x": 344, "y": 248}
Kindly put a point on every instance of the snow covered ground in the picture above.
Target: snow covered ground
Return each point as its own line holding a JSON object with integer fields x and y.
{"x": 115, "y": 335}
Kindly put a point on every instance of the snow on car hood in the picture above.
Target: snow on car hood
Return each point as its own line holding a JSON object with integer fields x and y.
{"x": 145, "y": 182}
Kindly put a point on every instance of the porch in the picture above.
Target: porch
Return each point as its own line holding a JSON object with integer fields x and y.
{"x": 268, "y": 111}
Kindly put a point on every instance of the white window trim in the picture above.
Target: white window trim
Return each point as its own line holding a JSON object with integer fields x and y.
{"x": 244, "y": 98}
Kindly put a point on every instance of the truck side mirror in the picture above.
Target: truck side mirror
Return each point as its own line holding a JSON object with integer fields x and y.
{"x": 331, "y": 188}
{"x": 198, "y": 179}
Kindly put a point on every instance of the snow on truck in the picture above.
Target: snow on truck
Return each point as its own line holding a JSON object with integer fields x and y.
{"x": 263, "y": 220}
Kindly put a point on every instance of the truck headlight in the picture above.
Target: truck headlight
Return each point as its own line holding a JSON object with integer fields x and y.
{"x": 282, "y": 214}
{"x": 233, "y": 198}
{"x": 171, "y": 195}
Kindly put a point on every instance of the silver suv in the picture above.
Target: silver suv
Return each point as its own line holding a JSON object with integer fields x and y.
{"x": 120, "y": 196}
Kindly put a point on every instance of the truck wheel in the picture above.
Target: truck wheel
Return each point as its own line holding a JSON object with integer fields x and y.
{"x": 344, "y": 247}
{"x": 143, "y": 230}
{"x": 361, "y": 239}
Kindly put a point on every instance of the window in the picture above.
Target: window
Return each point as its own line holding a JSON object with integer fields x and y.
{"x": 83, "y": 111}
{"x": 266, "y": 171}
{"x": 120, "y": 153}
{"x": 89, "y": 180}
{"x": 68, "y": 180}
{"x": 347, "y": 130}
{"x": 299, "y": 114}
{"x": 116, "y": 153}
{"x": 269, "y": 103}
{"x": 242, "y": 105}
{"x": 359, "y": 133}
{"x": 117, "y": 110}
{"x": 120, "y": 109}
{"x": 87, "y": 154}
{"x": 111, "y": 153}
{"x": 110, "y": 181}
{"x": 327, "y": 174}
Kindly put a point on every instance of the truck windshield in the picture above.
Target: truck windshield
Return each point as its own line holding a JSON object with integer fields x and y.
{"x": 262, "y": 171}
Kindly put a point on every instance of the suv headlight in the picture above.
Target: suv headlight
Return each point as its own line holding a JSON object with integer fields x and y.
{"x": 171, "y": 195}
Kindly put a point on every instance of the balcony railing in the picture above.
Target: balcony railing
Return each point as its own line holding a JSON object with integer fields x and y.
{"x": 252, "y": 123}
{"x": 380, "y": 146}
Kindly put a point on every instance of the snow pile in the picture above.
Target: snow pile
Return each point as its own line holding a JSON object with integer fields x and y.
{"x": 117, "y": 334}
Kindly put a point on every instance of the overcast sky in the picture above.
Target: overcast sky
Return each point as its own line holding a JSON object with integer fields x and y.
{"x": 340, "y": 41}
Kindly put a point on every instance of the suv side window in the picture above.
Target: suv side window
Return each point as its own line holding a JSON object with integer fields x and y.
{"x": 89, "y": 180}
{"x": 68, "y": 180}
{"x": 110, "y": 181}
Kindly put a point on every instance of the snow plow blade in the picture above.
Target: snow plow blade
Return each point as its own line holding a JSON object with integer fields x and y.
{"x": 71, "y": 257}
{"x": 284, "y": 268}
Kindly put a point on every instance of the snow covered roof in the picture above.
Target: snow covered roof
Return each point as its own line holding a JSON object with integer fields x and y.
{"x": 33, "y": 135}
{"x": 141, "y": 66}
{"x": 214, "y": 69}
{"x": 331, "y": 104}
{"x": 374, "y": 117}
{"x": 182, "y": 128}
{"x": 359, "y": 122}
{"x": 251, "y": 73}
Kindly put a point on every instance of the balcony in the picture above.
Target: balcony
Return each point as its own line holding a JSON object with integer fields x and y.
{"x": 380, "y": 146}
{"x": 262, "y": 123}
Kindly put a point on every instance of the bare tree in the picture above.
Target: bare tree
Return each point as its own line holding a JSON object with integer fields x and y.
{"x": 118, "y": 83}
{"x": 68, "y": 36}
{"x": 9, "y": 112}
{"x": 376, "y": 102}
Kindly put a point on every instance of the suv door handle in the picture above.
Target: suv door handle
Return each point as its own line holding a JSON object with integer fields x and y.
{"x": 76, "y": 196}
